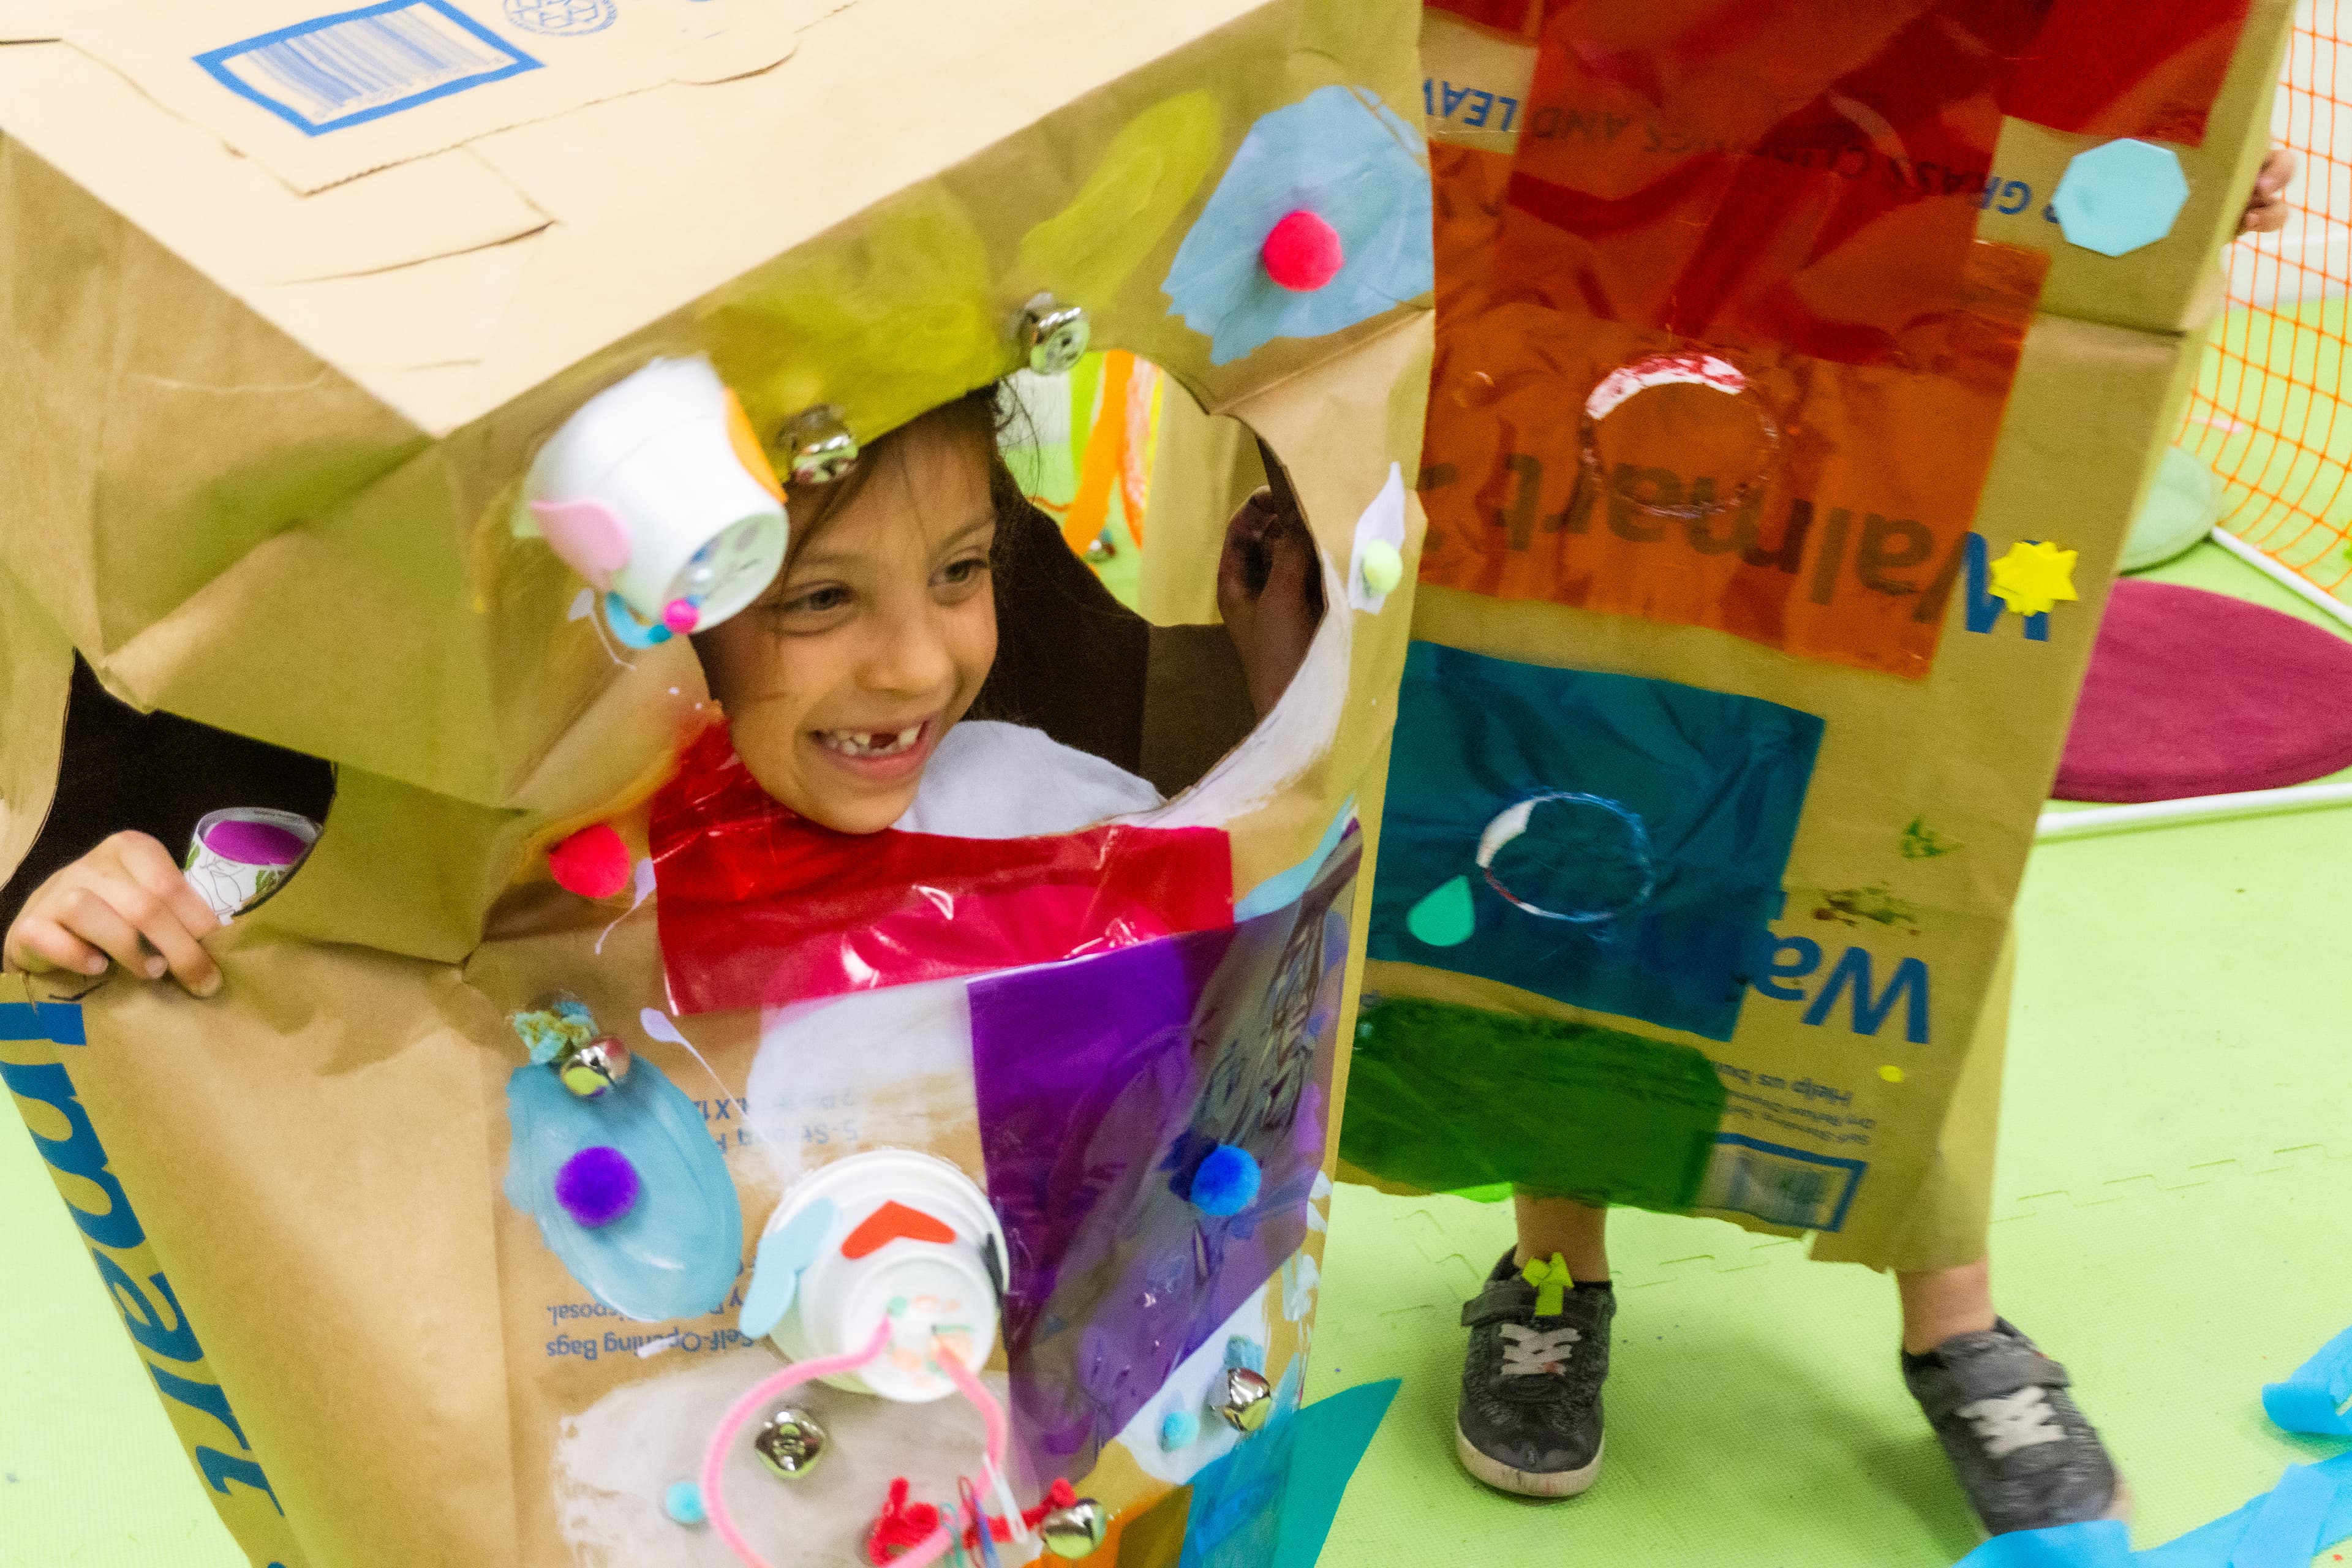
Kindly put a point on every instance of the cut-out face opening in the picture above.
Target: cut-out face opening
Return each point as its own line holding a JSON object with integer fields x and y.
{"x": 841, "y": 680}
{"x": 959, "y": 574}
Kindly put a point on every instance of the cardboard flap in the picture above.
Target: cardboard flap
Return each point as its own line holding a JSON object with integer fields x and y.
{"x": 229, "y": 218}
{"x": 36, "y": 674}
{"x": 31, "y": 21}
{"x": 318, "y": 94}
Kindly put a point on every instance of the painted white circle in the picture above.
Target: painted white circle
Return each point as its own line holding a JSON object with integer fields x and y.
{"x": 1611, "y": 827}
{"x": 1654, "y": 372}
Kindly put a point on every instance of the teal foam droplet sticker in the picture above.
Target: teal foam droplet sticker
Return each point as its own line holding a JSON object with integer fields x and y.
{"x": 1445, "y": 917}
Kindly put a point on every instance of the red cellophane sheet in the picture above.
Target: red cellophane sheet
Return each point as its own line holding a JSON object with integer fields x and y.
{"x": 760, "y": 907}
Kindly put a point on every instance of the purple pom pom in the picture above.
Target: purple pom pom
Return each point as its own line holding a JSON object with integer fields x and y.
{"x": 597, "y": 1185}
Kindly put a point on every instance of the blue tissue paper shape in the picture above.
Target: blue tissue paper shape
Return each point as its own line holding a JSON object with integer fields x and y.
{"x": 2120, "y": 196}
{"x": 1356, "y": 163}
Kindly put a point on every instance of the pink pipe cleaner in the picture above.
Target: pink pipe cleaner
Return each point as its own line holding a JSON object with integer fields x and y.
{"x": 739, "y": 1416}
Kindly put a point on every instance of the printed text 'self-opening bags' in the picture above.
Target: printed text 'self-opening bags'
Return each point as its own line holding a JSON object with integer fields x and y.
{"x": 282, "y": 344}
{"x": 1764, "y": 365}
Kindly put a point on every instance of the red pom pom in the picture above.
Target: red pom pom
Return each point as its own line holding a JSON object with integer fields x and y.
{"x": 1303, "y": 253}
{"x": 592, "y": 862}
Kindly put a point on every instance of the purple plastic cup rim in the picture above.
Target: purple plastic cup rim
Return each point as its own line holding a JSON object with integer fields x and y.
{"x": 251, "y": 841}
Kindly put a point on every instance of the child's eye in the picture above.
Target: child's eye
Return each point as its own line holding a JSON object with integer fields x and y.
{"x": 815, "y": 602}
{"x": 970, "y": 568}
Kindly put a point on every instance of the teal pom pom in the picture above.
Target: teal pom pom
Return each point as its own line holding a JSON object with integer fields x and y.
{"x": 1178, "y": 1429}
{"x": 683, "y": 1503}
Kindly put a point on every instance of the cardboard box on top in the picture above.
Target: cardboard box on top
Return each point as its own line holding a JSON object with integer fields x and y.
{"x": 1474, "y": 91}
{"x": 282, "y": 339}
{"x": 262, "y": 390}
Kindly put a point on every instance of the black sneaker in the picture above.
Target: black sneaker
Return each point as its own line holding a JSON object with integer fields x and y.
{"x": 2020, "y": 1445}
{"x": 1530, "y": 1420}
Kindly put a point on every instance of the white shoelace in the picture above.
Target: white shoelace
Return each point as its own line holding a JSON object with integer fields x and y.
{"x": 2013, "y": 1421}
{"x": 1529, "y": 1351}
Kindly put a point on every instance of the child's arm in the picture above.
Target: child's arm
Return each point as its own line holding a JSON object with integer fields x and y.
{"x": 126, "y": 901}
{"x": 2266, "y": 209}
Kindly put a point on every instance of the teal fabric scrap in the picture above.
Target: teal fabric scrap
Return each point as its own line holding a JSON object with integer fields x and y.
{"x": 2313, "y": 1399}
{"x": 2308, "y": 1511}
{"x": 2099, "y": 1543}
{"x": 1270, "y": 1502}
{"x": 2286, "y": 1529}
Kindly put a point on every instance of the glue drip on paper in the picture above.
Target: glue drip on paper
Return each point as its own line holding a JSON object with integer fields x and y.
{"x": 1587, "y": 862}
{"x": 643, "y": 890}
{"x": 2032, "y": 578}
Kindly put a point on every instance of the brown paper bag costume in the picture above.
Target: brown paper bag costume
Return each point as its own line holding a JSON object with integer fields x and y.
{"x": 1750, "y": 657}
{"x": 281, "y": 348}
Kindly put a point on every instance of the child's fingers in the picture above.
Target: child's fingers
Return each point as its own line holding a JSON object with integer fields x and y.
{"x": 152, "y": 915}
{"x": 151, "y": 867}
{"x": 36, "y": 946}
{"x": 90, "y": 915}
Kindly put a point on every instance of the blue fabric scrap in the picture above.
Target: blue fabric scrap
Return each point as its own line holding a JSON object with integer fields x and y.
{"x": 2313, "y": 1399}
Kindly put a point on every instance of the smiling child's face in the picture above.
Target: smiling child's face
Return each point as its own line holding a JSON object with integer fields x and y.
{"x": 839, "y": 682}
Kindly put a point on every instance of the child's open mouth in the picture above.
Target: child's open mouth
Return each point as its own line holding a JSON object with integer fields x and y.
{"x": 877, "y": 751}
{"x": 872, "y": 742}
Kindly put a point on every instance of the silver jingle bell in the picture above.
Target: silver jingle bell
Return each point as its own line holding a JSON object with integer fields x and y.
{"x": 588, "y": 1070}
{"x": 1052, "y": 336}
{"x": 1248, "y": 1400}
{"x": 790, "y": 1442}
{"x": 822, "y": 447}
{"x": 1077, "y": 1530}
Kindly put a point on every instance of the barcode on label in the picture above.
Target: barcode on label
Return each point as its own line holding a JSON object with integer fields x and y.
{"x": 355, "y": 66}
{"x": 1779, "y": 1185}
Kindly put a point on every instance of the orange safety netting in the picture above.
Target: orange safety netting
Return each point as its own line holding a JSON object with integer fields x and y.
{"x": 2270, "y": 413}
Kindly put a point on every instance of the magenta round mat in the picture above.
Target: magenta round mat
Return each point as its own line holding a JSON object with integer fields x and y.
{"x": 2198, "y": 693}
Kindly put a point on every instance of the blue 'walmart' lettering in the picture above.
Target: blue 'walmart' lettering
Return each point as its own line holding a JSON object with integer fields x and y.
{"x": 1798, "y": 957}
{"x": 113, "y": 1228}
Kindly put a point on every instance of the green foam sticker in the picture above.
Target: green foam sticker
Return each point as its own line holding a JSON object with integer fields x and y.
{"x": 1446, "y": 917}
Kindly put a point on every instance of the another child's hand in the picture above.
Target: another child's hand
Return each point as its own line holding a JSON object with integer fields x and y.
{"x": 126, "y": 901}
{"x": 2266, "y": 209}
{"x": 1270, "y": 593}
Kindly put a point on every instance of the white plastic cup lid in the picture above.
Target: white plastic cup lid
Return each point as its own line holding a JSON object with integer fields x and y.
{"x": 925, "y": 1235}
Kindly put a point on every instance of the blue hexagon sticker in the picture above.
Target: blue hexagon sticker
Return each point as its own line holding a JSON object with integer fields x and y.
{"x": 2120, "y": 196}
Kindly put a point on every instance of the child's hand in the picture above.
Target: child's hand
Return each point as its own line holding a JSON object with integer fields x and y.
{"x": 2266, "y": 209}
{"x": 124, "y": 899}
{"x": 1270, "y": 593}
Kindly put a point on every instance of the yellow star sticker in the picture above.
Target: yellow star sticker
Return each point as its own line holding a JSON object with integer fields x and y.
{"x": 2033, "y": 577}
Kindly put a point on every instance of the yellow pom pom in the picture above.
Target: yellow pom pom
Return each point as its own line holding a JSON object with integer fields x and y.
{"x": 1382, "y": 567}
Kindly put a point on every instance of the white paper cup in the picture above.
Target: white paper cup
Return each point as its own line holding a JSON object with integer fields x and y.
{"x": 662, "y": 453}
{"x": 239, "y": 856}
{"x": 942, "y": 1288}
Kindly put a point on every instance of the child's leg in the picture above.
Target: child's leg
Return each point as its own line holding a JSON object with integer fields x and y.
{"x": 1942, "y": 1303}
{"x": 1578, "y": 1232}
{"x": 1529, "y": 1419}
